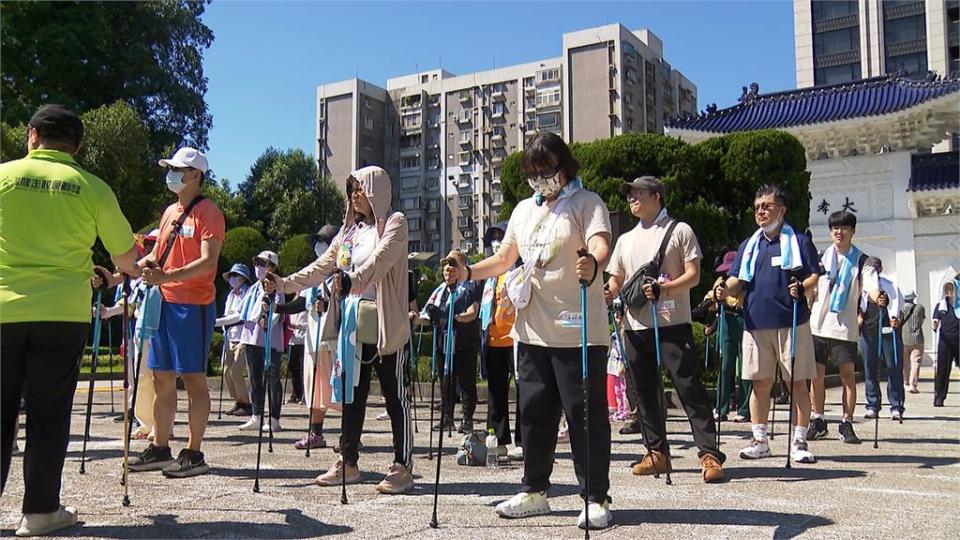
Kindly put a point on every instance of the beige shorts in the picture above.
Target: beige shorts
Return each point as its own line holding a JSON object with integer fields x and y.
{"x": 762, "y": 349}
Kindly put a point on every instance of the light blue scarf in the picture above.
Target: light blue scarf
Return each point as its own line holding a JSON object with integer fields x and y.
{"x": 841, "y": 278}
{"x": 347, "y": 351}
{"x": 790, "y": 257}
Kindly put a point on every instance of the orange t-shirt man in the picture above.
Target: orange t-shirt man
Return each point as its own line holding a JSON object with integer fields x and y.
{"x": 205, "y": 222}
{"x": 503, "y": 317}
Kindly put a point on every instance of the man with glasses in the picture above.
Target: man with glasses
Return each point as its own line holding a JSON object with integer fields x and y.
{"x": 775, "y": 265}
{"x": 181, "y": 343}
{"x": 834, "y": 324}
{"x": 679, "y": 272}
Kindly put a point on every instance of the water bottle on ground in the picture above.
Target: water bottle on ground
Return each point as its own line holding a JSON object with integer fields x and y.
{"x": 491, "y": 444}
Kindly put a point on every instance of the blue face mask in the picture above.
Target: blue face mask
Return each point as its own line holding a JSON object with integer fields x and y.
{"x": 175, "y": 181}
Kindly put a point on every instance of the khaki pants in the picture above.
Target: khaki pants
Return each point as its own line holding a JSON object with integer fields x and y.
{"x": 762, "y": 349}
{"x": 321, "y": 384}
{"x": 912, "y": 357}
{"x": 234, "y": 360}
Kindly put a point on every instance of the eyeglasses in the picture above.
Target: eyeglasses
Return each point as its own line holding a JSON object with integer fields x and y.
{"x": 635, "y": 194}
{"x": 260, "y": 263}
{"x": 764, "y": 207}
{"x": 544, "y": 174}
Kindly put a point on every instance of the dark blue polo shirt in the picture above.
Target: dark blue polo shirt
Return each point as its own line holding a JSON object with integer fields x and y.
{"x": 468, "y": 333}
{"x": 769, "y": 304}
{"x": 949, "y": 325}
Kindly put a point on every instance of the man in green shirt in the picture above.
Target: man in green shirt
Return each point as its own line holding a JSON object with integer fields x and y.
{"x": 51, "y": 213}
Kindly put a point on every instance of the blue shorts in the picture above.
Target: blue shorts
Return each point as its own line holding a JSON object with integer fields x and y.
{"x": 182, "y": 340}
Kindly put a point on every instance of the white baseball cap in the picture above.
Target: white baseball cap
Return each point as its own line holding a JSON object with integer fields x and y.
{"x": 270, "y": 257}
{"x": 187, "y": 157}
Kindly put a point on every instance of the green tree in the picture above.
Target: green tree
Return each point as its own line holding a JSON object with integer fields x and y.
{"x": 285, "y": 196}
{"x": 88, "y": 54}
{"x": 13, "y": 141}
{"x": 296, "y": 253}
{"x": 230, "y": 203}
{"x": 241, "y": 245}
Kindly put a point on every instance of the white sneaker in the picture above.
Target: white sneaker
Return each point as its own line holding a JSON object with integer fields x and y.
{"x": 383, "y": 416}
{"x": 895, "y": 415}
{"x": 800, "y": 453}
{"x": 252, "y": 424}
{"x": 43, "y": 524}
{"x": 515, "y": 453}
{"x": 870, "y": 414}
{"x": 756, "y": 450}
{"x": 275, "y": 424}
{"x": 525, "y": 505}
{"x": 600, "y": 516}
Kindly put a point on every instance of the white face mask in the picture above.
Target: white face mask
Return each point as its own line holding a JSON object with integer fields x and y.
{"x": 260, "y": 272}
{"x": 774, "y": 225}
{"x": 235, "y": 282}
{"x": 175, "y": 181}
{"x": 495, "y": 246}
{"x": 547, "y": 187}
{"x": 320, "y": 248}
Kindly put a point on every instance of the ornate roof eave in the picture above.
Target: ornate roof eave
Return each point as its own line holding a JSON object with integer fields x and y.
{"x": 924, "y": 124}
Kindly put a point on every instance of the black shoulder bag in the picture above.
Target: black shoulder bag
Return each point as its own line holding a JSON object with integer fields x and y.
{"x": 632, "y": 291}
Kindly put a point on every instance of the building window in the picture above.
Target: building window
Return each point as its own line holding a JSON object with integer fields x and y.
{"x": 830, "y": 9}
{"x": 904, "y": 30}
{"x": 412, "y": 203}
{"x": 548, "y": 97}
{"x": 911, "y": 64}
{"x": 424, "y": 78}
{"x": 836, "y": 41}
{"x": 413, "y": 224}
{"x": 433, "y": 205}
{"x": 548, "y": 120}
{"x": 497, "y": 108}
{"x": 837, "y": 74}
{"x": 412, "y": 162}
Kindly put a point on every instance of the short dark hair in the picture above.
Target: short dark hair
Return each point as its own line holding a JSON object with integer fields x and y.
{"x": 779, "y": 196}
{"x": 548, "y": 150}
{"x": 58, "y": 127}
{"x": 842, "y": 219}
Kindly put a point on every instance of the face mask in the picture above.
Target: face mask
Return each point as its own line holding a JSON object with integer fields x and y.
{"x": 774, "y": 225}
{"x": 235, "y": 281}
{"x": 320, "y": 248}
{"x": 547, "y": 187}
{"x": 495, "y": 246}
{"x": 260, "y": 272}
{"x": 175, "y": 181}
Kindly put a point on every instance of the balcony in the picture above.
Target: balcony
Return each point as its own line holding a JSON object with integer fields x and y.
{"x": 498, "y": 95}
{"x": 465, "y": 117}
{"x": 464, "y": 222}
{"x": 498, "y": 137}
{"x": 530, "y": 90}
{"x": 464, "y": 97}
{"x": 466, "y": 203}
{"x": 464, "y": 159}
{"x": 409, "y": 150}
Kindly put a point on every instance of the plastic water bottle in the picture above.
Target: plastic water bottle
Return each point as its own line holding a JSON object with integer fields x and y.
{"x": 492, "y": 446}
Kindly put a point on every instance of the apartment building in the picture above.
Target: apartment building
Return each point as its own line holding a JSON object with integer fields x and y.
{"x": 444, "y": 136}
{"x": 844, "y": 41}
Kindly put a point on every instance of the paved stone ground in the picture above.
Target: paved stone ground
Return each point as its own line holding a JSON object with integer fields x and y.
{"x": 907, "y": 488}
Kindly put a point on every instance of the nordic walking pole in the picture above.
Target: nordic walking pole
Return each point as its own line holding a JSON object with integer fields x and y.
{"x": 266, "y": 342}
{"x": 413, "y": 388}
{"x": 447, "y": 369}
{"x": 876, "y": 415}
{"x": 316, "y": 371}
{"x": 585, "y": 383}
{"x": 721, "y": 323}
{"x": 286, "y": 378}
{"x": 896, "y": 361}
{"x": 433, "y": 385}
{"x": 706, "y": 353}
{"x": 793, "y": 369}
{"x": 223, "y": 356}
{"x": 113, "y": 409}
{"x": 661, "y": 397}
{"x": 623, "y": 355}
{"x": 97, "y": 322}
{"x": 268, "y": 379}
{"x": 343, "y": 414}
{"x": 125, "y": 340}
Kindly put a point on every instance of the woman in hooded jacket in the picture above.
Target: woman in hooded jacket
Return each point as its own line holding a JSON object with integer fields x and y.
{"x": 368, "y": 259}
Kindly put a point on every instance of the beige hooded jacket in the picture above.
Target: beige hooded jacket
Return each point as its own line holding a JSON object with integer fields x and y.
{"x": 386, "y": 266}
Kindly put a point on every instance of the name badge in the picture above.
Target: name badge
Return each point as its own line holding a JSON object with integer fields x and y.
{"x": 775, "y": 261}
{"x": 187, "y": 231}
{"x": 887, "y": 330}
{"x": 667, "y": 306}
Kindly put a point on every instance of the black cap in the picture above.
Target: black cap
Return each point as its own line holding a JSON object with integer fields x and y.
{"x": 325, "y": 234}
{"x": 59, "y": 123}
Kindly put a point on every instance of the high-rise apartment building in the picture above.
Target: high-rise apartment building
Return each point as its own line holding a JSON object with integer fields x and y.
{"x": 842, "y": 41}
{"x": 443, "y": 137}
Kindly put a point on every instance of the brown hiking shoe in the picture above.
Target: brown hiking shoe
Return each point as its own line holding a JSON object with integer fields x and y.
{"x": 397, "y": 481}
{"x": 653, "y": 462}
{"x": 711, "y": 469}
{"x": 332, "y": 476}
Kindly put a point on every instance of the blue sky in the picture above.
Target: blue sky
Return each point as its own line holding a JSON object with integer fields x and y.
{"x": 268, "y": 57}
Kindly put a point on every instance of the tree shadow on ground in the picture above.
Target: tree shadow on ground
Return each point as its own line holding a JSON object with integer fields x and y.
{"x": 787, "y": 525}
{"x": 167, "y": 526}
{"x": 487, "y": 489}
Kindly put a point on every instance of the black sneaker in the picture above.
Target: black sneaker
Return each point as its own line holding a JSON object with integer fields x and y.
{"x": 631, "y": 429}
{"x": 818, "y": 429}
{"x": 189, "y": 463}
{"x": 154, "y": 458}
{"x": 466, "y": 426}
{"x": 846, "y": 433}
{"x": 241, "y": 409}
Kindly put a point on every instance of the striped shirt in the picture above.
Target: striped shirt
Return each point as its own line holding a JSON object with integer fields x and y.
{"x": 914, "y": 316}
